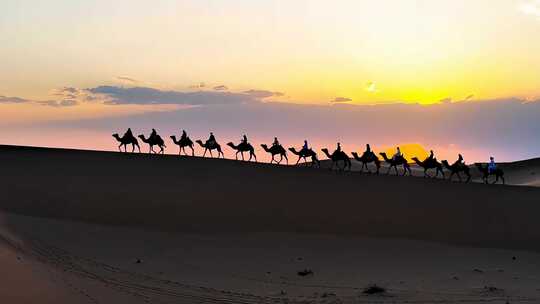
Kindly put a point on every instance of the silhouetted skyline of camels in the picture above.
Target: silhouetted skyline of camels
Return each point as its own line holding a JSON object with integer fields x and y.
{"x": 157, "y": 141}
{"x": 304, "y": 154}
{"x": 498, "y": 172}
{"x": 127, "y": 140}
{"x": 276, "y": 150}
{"x": 209, "y": 147}
{"x": 182, "y": 144}
{"x": 336, "y": 157}
{"x": 367, "y": 158}
{"x": 456, "y": 169}
{"x": 241, "y": 148}
{"x": 398, "y": 161}
{"x": 430, "y": 163}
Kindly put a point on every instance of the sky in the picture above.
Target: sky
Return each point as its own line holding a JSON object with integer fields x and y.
{"x": 67, "y": 64}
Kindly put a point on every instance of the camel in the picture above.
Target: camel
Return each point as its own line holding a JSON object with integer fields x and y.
{"x": 366, "y": 159}
{"x": 183, "y": 143}
{"x": 397, "y": 162}
{"x": 210, "y": 147}
{"x": 157, "y": 141}
{"x": 243, "y": 147}
{"x": 484, "y": 170}
{"x": 336, "y": 157}
{"x": 276, "y": 150}
{"x": 430, "y": 163}
{"x": 456, "y": 169}
{"x": 127, "y": 140}
{"x": 304, "y": 154}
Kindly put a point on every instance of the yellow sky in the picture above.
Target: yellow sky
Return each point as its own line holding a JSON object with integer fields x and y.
{"x": 313, "y": 50}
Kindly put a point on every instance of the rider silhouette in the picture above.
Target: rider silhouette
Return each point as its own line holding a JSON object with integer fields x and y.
{"x": 128, "y": 133}
{"x": 276, "y": 142}
{"x": 338, "y": 148}
{"x": 431, "y": 155}
{"x": 491, "y": 166}
{"x": 305, "y": 147}
{"x": 153, "y": 135}
{"x": 398, "y": 154}
{"x": 211, "y": 140}
{"x": 184, "y": 135}
{"x": 368, "y": 150}
{"x": 459, "y": 161}
{"x": 244, "y": 139}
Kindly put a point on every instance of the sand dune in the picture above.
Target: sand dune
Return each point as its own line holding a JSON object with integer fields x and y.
{"x": 208, "y": 230}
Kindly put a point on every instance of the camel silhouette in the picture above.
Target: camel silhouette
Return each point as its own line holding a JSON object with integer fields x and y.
{"x": 430, "y": 163}
{"x": 304, "y": 154}
{"x": 243, "y": 147}
{"x": 485, "y": 172}
{"x": 127, "y": 140}
{"x": 400, "y": 160}
{"x": 336, "y": 157}
{"x": 182, "y": 144}
{"x": 456, "y": 169}
{"x": 365, "y": 159}
{"x": 157, "y": 141}
{"x": 210, "y": 147}
{"x": 276, "y": 150}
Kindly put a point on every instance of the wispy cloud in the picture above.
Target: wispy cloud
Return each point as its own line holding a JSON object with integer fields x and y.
{"x": 127, "y": 79}
{"x": 221, "y": 88}
{"x": 260, "y": 94}
{"x": 341, "y": 99}
{"x": 199, "y": 85}
{"x": 530, "y": 8}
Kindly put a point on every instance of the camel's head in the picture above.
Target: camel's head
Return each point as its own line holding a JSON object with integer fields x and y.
{"x": 199, "y": 142}
{"x": 382, "y": 154}
{"x": 415, "y": 158}
{"x": 264, "y": 146}
{"x": 173, "y": 137}
{"x": 293, "y": 150}
{"x": 324, "y": 150}
{"x": 354, "y": 154}
{"x": 115, "y": 135}
{"x": 445, "y": 162}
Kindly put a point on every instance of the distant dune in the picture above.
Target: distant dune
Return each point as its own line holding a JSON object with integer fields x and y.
{"x": 210, "y": 195}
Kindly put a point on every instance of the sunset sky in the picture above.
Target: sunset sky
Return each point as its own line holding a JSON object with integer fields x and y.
{"x": 65, "y": 60}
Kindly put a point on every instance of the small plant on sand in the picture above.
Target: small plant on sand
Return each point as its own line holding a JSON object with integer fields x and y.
{"x": 374, "y": 289}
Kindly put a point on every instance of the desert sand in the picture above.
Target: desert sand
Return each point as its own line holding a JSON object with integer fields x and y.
{"x": 102, "y": 227}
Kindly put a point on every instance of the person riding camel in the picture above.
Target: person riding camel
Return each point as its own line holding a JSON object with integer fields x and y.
{"x": 184, "y": 135}
{"x": 128, "y": 133}
{"x": 276, "y": 142}
{"x": 244, "y": 139}
{"x": 491, "y": 166}
{"x": 338, "y": 148}
{"x": 459, "y": 161}
{"x": 431, "y": 156}
{"x": 211, "y": 140}
{"x": 305, "y": 147}
{"x": 368, "y": 151}
{"x": 397, "y": 154}
{"x": 153, "y": 136}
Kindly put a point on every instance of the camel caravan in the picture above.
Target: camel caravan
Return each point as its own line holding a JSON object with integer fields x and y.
{"x": 340, "y": 161}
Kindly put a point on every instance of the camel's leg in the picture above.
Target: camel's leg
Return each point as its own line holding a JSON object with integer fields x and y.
{"x": 397, "y": 173}
{"x": 388, "y": 172}
{"x": 254, "y": 156}
{"x": 503, "y": 181}
{"x": 192, "y": 151}
{"x": 286, "y": 159}
{"x": 211, "y": 155}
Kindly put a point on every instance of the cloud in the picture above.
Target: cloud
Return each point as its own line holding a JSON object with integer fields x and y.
{"x": 371, "y": 87}
{"x": 447, "y": 100}
{"x": 143, "y": 95}
{"x": 126, "y": 79}
{"x": 341, "y": 99}
{"x": 6, "y": 99}
{"x": 469, "y": 97}
{"x": 198, "y": 86}
{"x": 530, "y": 8}
{"x": 58, "y": 103}
{"x": 221, "y": 88}
{"x": 263, "y": 93}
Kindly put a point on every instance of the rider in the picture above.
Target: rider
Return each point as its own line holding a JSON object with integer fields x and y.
{"x": 368, "y": 150}
{"x": 338, "y": 148}
{"x": 305, "y": 147}
{"x": 184, "y": 135}
{"x": 276, "y": 142}
{"x": 244, "y": 139}
{"x": 153, "y": 135}
{"x": 211, "y": 140}
{"x": 431, "y": 155}
{"x": 459, "y": 161}
{"x": 128, "y": 133}
{"x": 491, "y": 166}
{"x": 398, "y": 154}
